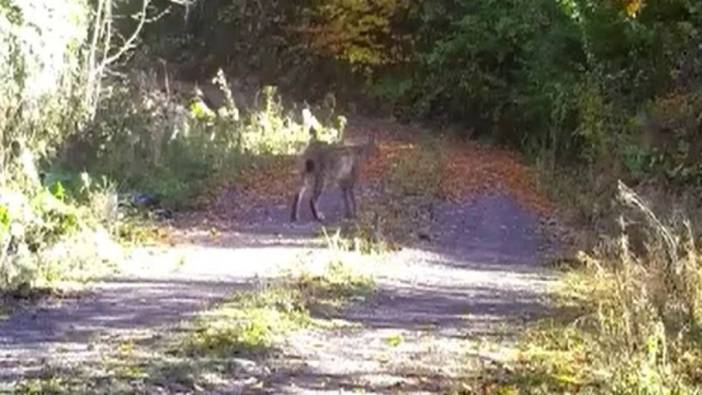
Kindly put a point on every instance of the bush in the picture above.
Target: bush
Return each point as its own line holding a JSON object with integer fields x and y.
{"x": 176, "y": 147}
{"x": 647, "y": 315}
{"x": 47, "y": 237}
{"x": 42, "y": 41}
{"x": 48, "y": 234}
{"x": 632, "y": 316}
{"x": 670, "y": 141}
{"x": 558, "y": 79}
{"x": 562, "y": 80}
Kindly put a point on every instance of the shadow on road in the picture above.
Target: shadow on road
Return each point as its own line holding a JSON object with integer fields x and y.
{"x": 482, "y": 269}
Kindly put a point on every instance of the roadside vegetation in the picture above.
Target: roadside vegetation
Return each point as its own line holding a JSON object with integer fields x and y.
{"x": 116, "y": 114}
{"x": 94, "y": 157}
{"x": 228, "y": 343}
{"x": 629, "y": 320}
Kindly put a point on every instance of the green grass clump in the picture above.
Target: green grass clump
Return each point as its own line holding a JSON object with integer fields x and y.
{"x": 246, "y": 327}
{"x": 336, "y": 286}
{"x": 251, "y": 322}
{"x": 51, "y": 235}
{"x": 248, "y": 323}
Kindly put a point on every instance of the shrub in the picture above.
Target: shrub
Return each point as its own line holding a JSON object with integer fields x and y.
{"x": 632, "y": 316}
{"x": 47, "y": 237}
{"x": 176, "y": 147}
{"x": 50, "y": 79}
{"x": 42, "y": 41}
{"x": 669, "y": 138}
{"x": 559, "y": 79}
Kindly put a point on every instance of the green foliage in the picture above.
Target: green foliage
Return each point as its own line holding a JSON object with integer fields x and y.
{"x": 252, "y": 322}
{"x": 271, "y": 129}
{"x": 248, "y": 323}
{"x": 57, "y": 227}
{"x": 48, "y": 237}
{"x": 671, "y": 138}
{"x": 495, "y": 64}
{"x": 334, "y": 287}
{"x": 178, "y": 148}
{"x": 559, "y": 79}
{"x": 564, "y": 80}
{"x": 42, "y": 39}
{"x": 394, "y": 340}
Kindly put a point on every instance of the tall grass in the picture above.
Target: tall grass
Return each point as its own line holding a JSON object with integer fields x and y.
{"x": 632, "y": 322}
{"x": 172, "y": 144}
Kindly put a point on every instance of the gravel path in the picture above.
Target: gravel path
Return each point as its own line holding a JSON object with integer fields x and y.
{"x": 476, "y": 282}
{"x": 476, "y": 279}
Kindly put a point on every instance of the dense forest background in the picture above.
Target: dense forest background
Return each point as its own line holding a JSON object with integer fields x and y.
{"x": 112, "y": 106}
{"x": 589, "y": 81}
{"x": 610, "y": 84}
